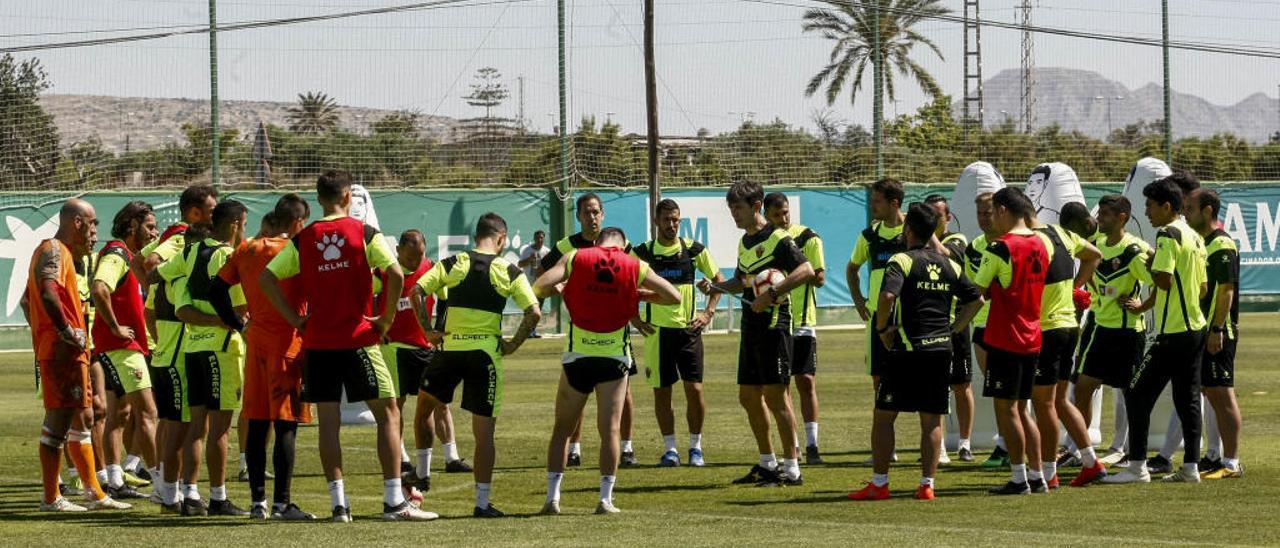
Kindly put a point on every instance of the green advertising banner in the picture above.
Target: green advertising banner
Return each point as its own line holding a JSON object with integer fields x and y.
{"x": 1251, "y": 214}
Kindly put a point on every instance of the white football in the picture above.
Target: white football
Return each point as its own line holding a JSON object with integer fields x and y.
{"x": 769, "y": 277}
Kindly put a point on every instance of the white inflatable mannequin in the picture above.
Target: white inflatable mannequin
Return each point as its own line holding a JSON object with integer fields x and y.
{"x": 977, "y": 178}
{"x": 1147, "y": 171}
{"x": 362, "y": 209}
{"x": 1051, "y": 186}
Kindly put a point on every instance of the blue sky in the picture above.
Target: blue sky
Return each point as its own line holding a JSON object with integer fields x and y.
{"x": 718, "y": 59}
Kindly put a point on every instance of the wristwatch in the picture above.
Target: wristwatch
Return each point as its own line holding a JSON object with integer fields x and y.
{"x": 773, "y": 293}
{"x": 1217, "y": 329}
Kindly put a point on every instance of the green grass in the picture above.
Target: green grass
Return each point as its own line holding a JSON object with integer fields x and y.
{"x": 688, "y": 506}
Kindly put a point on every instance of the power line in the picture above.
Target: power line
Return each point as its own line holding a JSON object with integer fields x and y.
{"x": 172, "y": 31}
{"x": 436, "y": 4}
{"x": 1072, "y": 33}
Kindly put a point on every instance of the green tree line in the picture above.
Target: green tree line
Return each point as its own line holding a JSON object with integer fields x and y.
{"x": 926, "y": 146}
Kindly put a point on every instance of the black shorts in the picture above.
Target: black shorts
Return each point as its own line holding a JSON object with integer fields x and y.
{"x": 214, "y": 380}
{"x": 673, "y": 354}
{"x": 1110, "y": 354}
{"x": 916, "y": 382}
{"x": 877, "y": 356}
{"x": 977, "y": 337}
{"x": 1009, "y": 376}
{"x": 410, "y": 368}
{"x": 961, "y": 358}
{"x": 479, "y": 372}
{"x": 360, "y": 371}
{"x": 585, "y": 372}
{"x": 804, "y": 355}
{"x": 168, "y": 390}
{"x": 1057, "y": 356}
{"x": 764, "y": 357}
{"x": 110, "y": 376}
{"x": 1219, "y": 370}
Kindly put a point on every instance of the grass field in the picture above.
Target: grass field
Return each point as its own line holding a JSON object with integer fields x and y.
{"x": 689, "y": 506}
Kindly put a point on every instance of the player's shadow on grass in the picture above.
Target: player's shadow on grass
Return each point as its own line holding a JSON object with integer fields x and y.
{"x": 829, "y": 496}
{"x": 593, "y": 468}
{"x": 637, "y": 489}
{"x": 115, "y": 518}
{"x": 816, "y": 497}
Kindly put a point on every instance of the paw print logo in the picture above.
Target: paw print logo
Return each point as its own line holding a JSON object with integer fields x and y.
{"x": 330, "y": 245}
{"x": 606, "y": 269}
{"x": 934, "y": 271}
{"x": 1035, "y": 262}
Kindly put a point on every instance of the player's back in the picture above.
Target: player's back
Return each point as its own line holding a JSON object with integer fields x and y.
{"x": 1057, "y": 310}
{"x": 601, "y": 293}
{"x": 248, "y": 262}
{"x": 337, "y": 283}
{"x": 927, "y": 284}
{"x": 1013, "y": 323}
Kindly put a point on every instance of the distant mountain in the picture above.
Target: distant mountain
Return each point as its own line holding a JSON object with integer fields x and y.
{"x": 1068, "y": 97}
{"x": 151, "y": 122}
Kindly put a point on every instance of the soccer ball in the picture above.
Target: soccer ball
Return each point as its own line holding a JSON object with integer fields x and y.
{"x": 769, "y": 277}
{"x": 412, "y": 494}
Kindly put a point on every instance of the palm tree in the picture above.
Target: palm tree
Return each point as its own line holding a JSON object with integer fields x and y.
{"x": 315, "y": 113}
{"x": 850, "y": 25}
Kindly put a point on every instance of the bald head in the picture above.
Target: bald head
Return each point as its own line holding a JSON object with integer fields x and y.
{"x": 73, "y": 208}
{"x": 78, "y": 226}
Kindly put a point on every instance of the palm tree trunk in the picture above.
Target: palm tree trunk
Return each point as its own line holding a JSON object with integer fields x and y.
{"x": 877, "y": 111}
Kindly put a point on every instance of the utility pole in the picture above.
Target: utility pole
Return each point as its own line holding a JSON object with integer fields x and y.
{"x": 520, "y": 122}
{"x": 973, "y": 104}
{"x": 215, "y": 169}
{"x": 1028, "y": 69}
{"x": 1168, "y": 107}
{"x": 1109, "y": 101}
{"x": 877, "y": 111}
{"x": 561, "y": 221}
{"x": 651, "y": 112}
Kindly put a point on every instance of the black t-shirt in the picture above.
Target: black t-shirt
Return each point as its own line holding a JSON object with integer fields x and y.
{"x": 769, "y": 248}
{"x": 1223, "y": 267}
{"x": 925, "y": 283}
{"x": 575, "y": 241}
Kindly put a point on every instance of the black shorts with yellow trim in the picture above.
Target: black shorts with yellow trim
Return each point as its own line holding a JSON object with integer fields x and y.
{"x": 1219, "y": 370}
{"x": 1010, "y": 376}
{"x": 215, "y": 380}
{"x": 877, "y": 356}
{"x": 361, "y": 372}
{"x": 672, "y": 354}
{"x": 479, "y": 372}
{"x": 169, "y": 386}
{"x": 764, "y": 356}
{"x": 1057, "y": 356}
{"x": 804, "y": 352}
{"x": 916, "y": 382}
{"x": 584, "y": 373}
{"x": 961, "y": 358}
{"x": 407, "y": 365}
{"x": 1110, "y": 354}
